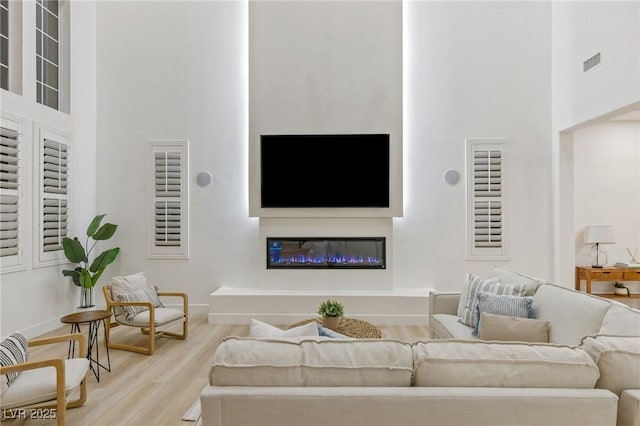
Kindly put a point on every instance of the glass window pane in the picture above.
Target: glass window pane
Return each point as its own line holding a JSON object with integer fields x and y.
{"x": 39, "y": 92}
{"x": 4, "y": 22}
{"x": 39, "y": 42}
{"x": 50, "y": 77}
{"x": 50, "y": 98}
{"x": 5, "y": 3}
{"x": 38, "y": 16}
{"x": 51, "y": 50}
{"x": 52, "y": 5}
{"x": 4, "y": 51}
{"x": 4, "y": 78}
{"x": 38, "y": 69}
{"x": 50, "y": 24}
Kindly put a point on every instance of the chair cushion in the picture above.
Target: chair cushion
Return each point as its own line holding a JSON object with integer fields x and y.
{"x": 13, "y": 350}
{"x": 127, "y": 283}
{"x": 161, "y": 316}
{"x": 39, "y": 385}
{"x": 142, "y": 295}
{"x": 311, "y": 361}
{"x": 453, "y": 363}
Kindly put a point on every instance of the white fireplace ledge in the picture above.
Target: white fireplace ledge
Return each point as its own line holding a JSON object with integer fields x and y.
{"x": 238, "y": 305}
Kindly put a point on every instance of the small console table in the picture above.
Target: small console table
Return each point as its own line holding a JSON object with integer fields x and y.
{"x": 94, "y": 318}
{"x": 608, "y": 273}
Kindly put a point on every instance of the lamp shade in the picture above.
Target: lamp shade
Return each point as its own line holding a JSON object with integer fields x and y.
{"x": 602, "y": 234}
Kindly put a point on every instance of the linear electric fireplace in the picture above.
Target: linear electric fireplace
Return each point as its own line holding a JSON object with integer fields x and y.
{"x": 326, "y": 253}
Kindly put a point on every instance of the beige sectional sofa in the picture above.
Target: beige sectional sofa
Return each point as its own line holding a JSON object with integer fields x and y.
{"x": 450, "y": 379}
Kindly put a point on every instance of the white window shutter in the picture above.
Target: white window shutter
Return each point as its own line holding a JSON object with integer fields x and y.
{"x": 486, "y": 201}
{"x": 54, "y": 170}
{"x": 170, "y": 199}
{"x": 11, "y": 245}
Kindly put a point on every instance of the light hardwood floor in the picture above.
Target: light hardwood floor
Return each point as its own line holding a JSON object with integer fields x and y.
{"x": 145, "y": 390}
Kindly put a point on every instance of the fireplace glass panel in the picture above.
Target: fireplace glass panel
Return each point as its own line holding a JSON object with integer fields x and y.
{"x": 319, "y": 253}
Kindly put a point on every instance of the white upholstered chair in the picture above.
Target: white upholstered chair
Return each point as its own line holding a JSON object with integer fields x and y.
{"x": 135, "y": 304}
{"x": 42, "y": 385}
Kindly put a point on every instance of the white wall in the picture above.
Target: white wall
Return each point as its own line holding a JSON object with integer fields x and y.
{"x": 473, "y": 70}
{"x": 325, "y": 67}
{"x": 606, "y": 187}
{"x": 581, "y": 29}
{"x": 33, "y": 300}
{"x": 175, "y": 71}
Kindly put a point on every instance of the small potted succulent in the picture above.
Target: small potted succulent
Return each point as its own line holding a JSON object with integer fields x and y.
{"x": 331, "y": 311}
{"x": 620, "y": 289}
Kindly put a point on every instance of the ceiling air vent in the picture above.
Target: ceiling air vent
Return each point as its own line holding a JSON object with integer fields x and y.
{"x": 591, "y": 62}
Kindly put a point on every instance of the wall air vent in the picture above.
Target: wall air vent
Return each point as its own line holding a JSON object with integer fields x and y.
{"x": 591, "y": 62}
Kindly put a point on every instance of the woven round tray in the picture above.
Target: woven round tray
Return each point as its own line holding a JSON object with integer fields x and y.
{"x": 350, "y": 327}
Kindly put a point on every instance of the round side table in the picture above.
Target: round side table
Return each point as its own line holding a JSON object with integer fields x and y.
{"x": 94, "y": 319}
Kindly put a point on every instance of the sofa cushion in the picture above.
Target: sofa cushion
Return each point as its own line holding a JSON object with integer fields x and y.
{"x": 502, "y": 364}
{"x": 490, "y": 285}
{"x": 571, "y": 314}
{"x": 513, "y": 329}
{"x": 617, "y": 358}
{"x": 513, "y": 306}
{"x": 447, "y": 326}
{"x": 621, "y": 320}
{"x": 262, "y": 329}
{"x": 508, "y": 276}
{"x": 247, "y": 361}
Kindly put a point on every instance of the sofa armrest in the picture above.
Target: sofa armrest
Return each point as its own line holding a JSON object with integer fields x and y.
{"x": 443, "y": 303}
{"x": 629, "y": 408}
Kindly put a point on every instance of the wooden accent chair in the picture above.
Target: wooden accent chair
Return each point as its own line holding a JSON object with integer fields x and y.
{"x": 41, "y": 388}
{"x": 149, "y": 319}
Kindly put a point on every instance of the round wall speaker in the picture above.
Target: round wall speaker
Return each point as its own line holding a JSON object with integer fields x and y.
{"x": 204, "y": 179}
{"x": 451, "y": 176}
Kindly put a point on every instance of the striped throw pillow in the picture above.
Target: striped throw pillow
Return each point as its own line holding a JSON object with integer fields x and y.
{"x": 488, "y": 285}
{"x": 505, "y": 305}
{"x": 13, "y": 350}
{"x": 144, "y": 295}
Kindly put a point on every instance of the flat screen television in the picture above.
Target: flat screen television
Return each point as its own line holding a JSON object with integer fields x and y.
{"x": 349, "y": 170}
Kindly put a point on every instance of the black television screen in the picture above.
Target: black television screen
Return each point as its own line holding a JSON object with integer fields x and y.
{"x": 350, "y": 170}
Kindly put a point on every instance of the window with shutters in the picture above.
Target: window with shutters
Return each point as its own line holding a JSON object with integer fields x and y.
{"x": 169, "y": 171}
{"x": 11, "y": 198}
{"x": 487, "y": 236}
{"x": 53, "y": 219}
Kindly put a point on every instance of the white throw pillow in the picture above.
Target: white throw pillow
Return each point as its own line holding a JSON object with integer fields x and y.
{"x": 125, "y": 284}
{"x": 262, "y": 329}
{"x": 487, "y": 285}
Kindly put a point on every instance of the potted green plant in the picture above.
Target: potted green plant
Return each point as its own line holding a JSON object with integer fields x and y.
{"x": 619, "y": 288}
{"x": 86, "y": 274}
{"x": 331, "y": 311}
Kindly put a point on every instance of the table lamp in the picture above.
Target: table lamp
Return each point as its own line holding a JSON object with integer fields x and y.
{"x": 596, "y": 235}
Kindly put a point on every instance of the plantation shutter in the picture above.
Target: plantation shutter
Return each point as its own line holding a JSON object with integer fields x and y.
{"x": 486, "y": 201}
{"x": 9, "y": 192}
{"x": 55, "y": 163}
{"x": 168, "y": 172}
{"x": 169, "y": 235}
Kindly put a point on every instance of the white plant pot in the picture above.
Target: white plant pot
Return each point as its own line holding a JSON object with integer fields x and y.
{"x": 620, "y": 291}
